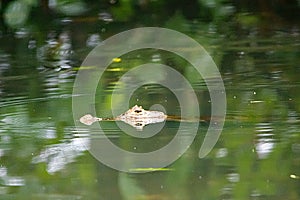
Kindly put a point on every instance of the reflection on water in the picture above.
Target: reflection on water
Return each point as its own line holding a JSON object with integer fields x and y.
{"x": 57, "y": 53}
{"x": 57, "y": 156}
{"x": 265, "y": 139}
{"x": 42, "y": 155}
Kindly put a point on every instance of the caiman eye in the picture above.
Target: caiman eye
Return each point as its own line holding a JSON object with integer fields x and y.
{"x": 137, "y": 111}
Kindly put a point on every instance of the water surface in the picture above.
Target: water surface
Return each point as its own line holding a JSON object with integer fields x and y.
{"x": 44, "y": 156}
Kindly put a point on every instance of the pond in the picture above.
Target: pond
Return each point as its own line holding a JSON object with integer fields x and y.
{"x": 45, "y": 153}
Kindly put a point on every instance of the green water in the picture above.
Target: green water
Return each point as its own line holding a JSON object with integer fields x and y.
{"x": 44, "y": 156}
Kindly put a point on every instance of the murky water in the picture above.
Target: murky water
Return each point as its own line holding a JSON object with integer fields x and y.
{"x": 44, "y": 156}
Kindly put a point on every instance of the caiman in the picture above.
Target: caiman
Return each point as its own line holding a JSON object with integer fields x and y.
{"x": 135, "y": 116}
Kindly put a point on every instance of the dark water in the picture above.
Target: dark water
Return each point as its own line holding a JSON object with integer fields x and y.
{"x": 44, "y": 156}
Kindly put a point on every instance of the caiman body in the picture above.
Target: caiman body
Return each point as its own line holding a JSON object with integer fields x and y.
{"x": 135, "y": 116}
